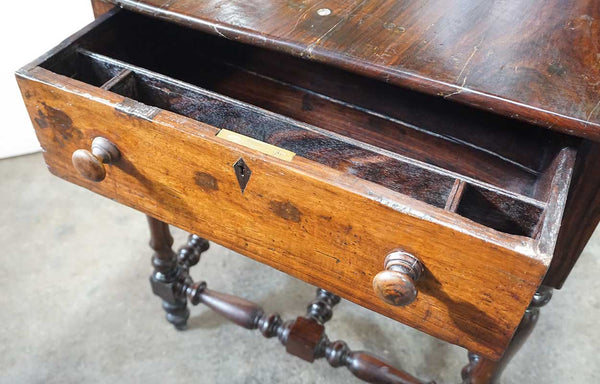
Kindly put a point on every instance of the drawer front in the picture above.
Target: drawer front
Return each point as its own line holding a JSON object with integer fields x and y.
{"x": 318, "y": 224}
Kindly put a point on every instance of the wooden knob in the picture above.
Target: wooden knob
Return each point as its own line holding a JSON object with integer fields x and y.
{"x": 91, "y": 164}
{"x": 396, "y": 284}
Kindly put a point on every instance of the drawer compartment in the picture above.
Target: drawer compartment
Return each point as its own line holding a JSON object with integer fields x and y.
{"x": 344, "y": 169}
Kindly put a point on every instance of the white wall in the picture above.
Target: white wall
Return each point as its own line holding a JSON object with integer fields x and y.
{"x": 28, "y": 29}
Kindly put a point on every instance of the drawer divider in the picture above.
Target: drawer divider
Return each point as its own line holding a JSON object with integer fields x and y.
{"x": 123, "y": 76}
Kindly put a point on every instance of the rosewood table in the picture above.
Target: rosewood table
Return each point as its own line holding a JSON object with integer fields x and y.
{"x": 435, "y": 161}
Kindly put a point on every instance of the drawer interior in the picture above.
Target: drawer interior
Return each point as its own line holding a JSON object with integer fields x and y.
{"x": 484, "y": 167}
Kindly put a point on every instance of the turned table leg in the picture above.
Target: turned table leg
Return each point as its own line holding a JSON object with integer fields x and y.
{"x": 166, "y": 273}
{"x": 171, "y": 270}
{"x": 484, "y": 371}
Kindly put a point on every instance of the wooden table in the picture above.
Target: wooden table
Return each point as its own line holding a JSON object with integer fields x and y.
{"x": 433, "y": 161}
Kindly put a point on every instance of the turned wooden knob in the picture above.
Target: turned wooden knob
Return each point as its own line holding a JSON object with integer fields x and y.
{"x": 396, "y": 284}
{"x": 91, "y": 164}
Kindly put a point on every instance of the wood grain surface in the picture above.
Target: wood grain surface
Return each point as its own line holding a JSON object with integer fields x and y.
{"x": 581, "y": 214}
{"x": 535, "y": 60}
{"x": 477, "y": 282}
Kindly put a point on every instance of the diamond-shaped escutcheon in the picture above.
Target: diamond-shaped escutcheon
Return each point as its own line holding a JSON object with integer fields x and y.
{"x": 242, "y": 172}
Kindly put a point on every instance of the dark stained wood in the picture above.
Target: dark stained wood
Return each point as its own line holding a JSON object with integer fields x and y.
{"x": 371, "y": 369}
{"x": 581, "y": 216}
{"x": 559, "y": 176}
{"x": 416, "y": 114}
{"x": 531, "y": 60}
{"x": 499, "y": 211}
{"x": 189, "y": 254}
{"x": 478, "y": 281}
{"x": 321, "y": 308}
{"x": 171, "y": 270}
{"x": 165, "y": 275}
{"x": 124, "y": 77}
{"x": 304, "y": 337}
{"x": 484, "y": 371}
{"x": 455, "y": 196}
{"x": 235, "y": 309}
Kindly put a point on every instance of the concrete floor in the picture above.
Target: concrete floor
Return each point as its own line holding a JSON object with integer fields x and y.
{"x": 75, "y": 306}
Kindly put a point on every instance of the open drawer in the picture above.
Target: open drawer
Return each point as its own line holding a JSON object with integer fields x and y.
{"x": 343, "y": 169}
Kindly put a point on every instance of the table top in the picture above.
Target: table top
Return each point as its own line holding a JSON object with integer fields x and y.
{"x": 534, "y": 60}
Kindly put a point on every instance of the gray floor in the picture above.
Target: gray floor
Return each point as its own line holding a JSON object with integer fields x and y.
{"x": 75, "y": 306}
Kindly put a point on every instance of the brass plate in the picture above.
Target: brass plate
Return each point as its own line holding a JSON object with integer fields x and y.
{"x": 257, "y": 145}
